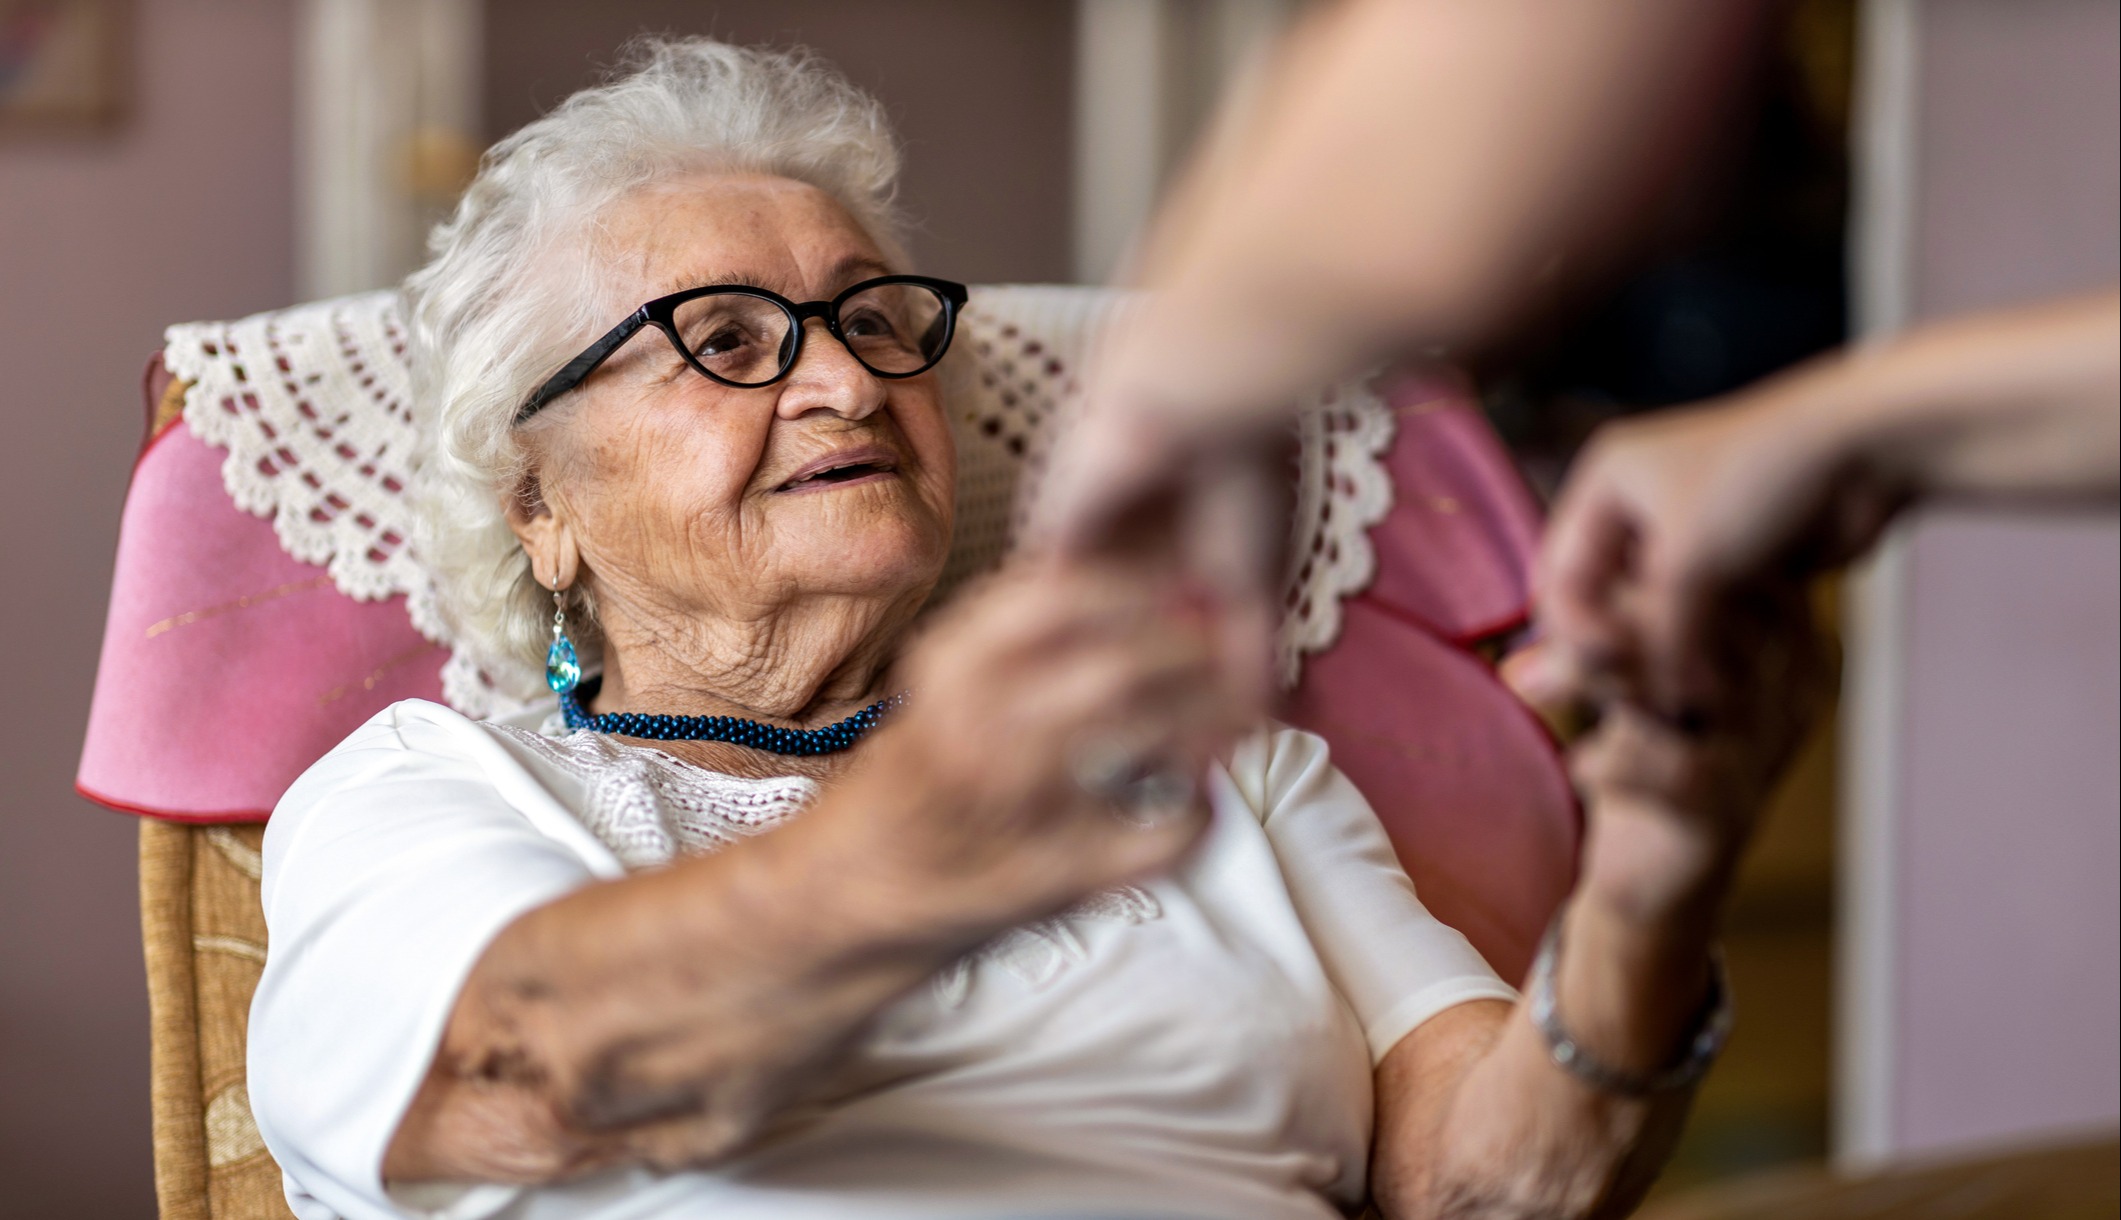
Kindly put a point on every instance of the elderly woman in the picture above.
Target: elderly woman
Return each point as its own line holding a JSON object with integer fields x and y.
{"x": 702, "y": 944}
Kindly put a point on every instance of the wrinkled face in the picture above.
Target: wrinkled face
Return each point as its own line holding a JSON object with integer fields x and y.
{"x": 691, "y": 500}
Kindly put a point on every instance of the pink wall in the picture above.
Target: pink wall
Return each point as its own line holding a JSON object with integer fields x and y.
{"x": 2009, "y": 982}
{"x": 2009, "y": 819}
{"x": 2017, "y": 170}
{"x": 183, "y": 213}
{"x": 981, "y": 94}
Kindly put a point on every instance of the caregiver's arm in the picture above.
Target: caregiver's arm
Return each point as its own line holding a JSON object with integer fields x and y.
{"x": 669, "y": 1017}
{"x": 1475, "y": 1119}
{"x": 1666, "y": 514}
{"x": 1408, "y": 174}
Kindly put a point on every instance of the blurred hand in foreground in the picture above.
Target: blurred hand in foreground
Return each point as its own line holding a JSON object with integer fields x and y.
{"x": 1401, "y": 176}
{"x": 1044, "y": 691}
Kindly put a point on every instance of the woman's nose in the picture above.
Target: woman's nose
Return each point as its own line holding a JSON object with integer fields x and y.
{"x": 827, "y": 377}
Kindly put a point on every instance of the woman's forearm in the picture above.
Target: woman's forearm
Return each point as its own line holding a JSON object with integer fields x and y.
{"x": 667, "y": 1018}
{"x": 2019, "y": 402}
{"x": 1493, "y": 1127}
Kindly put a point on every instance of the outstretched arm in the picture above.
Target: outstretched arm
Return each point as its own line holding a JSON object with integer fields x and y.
{"x": 1668, "y": 516}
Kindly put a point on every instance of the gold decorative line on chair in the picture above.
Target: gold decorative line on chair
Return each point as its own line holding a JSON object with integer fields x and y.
{"x": 375, "y": 675}
{"x": 244, "y": 602}
{"x": 1434, "y": 402}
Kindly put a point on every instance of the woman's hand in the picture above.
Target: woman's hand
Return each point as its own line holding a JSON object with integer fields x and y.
{"x": 1045, "y": 682}
{"x": 1673, "y": 802}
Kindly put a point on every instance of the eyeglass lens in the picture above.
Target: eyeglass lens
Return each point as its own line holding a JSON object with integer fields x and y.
{"x": 894, "y": 329}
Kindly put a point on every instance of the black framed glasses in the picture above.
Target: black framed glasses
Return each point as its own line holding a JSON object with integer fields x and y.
{"x": 736, "y": 335}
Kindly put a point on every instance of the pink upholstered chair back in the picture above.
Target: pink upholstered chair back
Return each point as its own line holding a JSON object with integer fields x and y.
{"x": 229, "y": 666}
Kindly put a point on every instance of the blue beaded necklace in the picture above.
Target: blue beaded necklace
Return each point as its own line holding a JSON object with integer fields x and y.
{"x": 826, "y": 739}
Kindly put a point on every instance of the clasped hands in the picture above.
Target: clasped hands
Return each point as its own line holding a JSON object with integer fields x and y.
{"x": 1672, "y": 623}
{"x": 1672, "y": 626}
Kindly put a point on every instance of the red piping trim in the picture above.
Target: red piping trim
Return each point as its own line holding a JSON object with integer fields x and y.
{"x": 155, "y": 440}
{"x": 153, "y": 401}
{"x": 1462, "y": 641}
{"x": 1516, "y": 620}
{"x": 235, "y": 817}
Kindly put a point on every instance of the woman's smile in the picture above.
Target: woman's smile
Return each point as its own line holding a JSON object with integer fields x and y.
{"x": 850, "y": 467}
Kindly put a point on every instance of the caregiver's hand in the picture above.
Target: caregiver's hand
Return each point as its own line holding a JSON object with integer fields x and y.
{"x": 1668, "y": 516}
{"x": 1662, "y": 518}
{"x": 1404, "y": 175}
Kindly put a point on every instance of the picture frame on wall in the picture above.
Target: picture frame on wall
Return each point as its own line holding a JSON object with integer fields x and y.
{"x": 64, "y": 65}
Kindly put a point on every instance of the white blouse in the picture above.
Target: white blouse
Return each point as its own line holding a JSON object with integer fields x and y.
{"x": 1200, "y": 1046}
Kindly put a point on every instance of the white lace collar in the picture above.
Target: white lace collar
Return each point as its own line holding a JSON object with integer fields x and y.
{"x": 650, "y": 808}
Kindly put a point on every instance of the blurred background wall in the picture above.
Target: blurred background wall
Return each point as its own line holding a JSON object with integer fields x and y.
{"x": 981, "y": 93}
{"x": 1980, "y": 987}
{"x": 982, "y": 96}
{"x": 182, "y": 208}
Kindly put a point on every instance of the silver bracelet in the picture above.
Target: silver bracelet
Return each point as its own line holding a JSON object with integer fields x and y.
{"x": 1712, "y": 1028}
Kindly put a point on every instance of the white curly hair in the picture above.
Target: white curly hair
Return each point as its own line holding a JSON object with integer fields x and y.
{"x": 512, "y": 289}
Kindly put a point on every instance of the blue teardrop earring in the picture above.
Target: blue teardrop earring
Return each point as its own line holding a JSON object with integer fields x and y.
{"x": 563, "y": 668}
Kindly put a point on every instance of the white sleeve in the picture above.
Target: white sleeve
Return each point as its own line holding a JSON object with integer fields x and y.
{"x": 1394, "y": 963}
{"x": 389, "y": 867}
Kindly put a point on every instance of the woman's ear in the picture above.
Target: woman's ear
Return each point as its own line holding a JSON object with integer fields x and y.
{"x": 547, "y": 535}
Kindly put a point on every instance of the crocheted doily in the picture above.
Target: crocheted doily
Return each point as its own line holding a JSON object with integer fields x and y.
{"x": 314, "y": 407}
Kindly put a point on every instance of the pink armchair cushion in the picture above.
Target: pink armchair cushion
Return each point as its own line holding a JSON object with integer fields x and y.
{"x": 1463, "y": 776}
{"x": 228, "y": 667}
{"x": 1456, "y": 551}
{"x": 1465, "y": 779}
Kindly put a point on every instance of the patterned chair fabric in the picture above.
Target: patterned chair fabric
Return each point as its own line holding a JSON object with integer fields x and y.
{"x": 204, "y": 936}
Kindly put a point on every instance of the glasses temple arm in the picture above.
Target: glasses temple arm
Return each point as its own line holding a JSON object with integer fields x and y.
{"x": 575, "y": 371}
